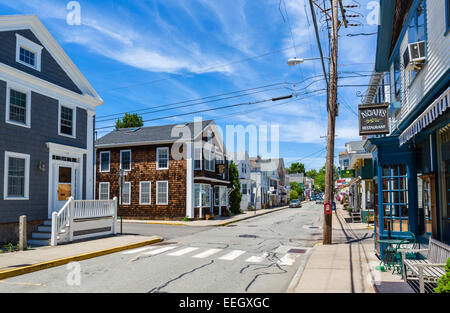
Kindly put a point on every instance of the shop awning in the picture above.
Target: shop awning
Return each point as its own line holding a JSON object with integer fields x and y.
{"x": 353, "y": 181}
{"x": 436, "y": 109}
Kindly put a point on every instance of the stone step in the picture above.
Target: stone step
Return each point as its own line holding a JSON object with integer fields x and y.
{"x": 39, "y": 235}
{"x": 38, "y": 242}
{"x": 45, "y": 229}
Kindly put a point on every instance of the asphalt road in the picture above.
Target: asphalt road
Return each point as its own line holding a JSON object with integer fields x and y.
{"x": 261, "y": 255}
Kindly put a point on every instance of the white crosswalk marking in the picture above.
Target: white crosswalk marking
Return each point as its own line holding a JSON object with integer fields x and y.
{"x": 206, "y": 253}
{"x": 161, "y": 250}
{"x": 137, "y": 250}
{"x": 257, "y": 258}
{"x": 183, "y": 251}
{"x": 288, "y": 259}
{"x": 232, "y": 255}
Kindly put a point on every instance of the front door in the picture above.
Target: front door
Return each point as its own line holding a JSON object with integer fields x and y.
{"x": 65, "y": 184}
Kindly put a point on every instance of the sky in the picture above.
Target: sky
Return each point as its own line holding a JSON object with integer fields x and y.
{"x": 162, "y": 56}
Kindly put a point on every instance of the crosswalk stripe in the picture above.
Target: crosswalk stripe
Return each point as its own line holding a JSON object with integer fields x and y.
{"x": 287, "y": 259}
{"x": 206, "y": 253}
{"x": 161, "y": 250}
{"x": 232, "y": 255}
{"x": 137, "y": 250}
{"x": 256, "y": 258}
{"x": 182, "y": 251}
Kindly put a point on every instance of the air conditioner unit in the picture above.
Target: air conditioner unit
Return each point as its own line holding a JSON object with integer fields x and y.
{"x": 414, "y": 56}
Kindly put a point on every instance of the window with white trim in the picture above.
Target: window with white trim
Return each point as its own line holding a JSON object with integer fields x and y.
{"x": 104, "y": 161}
{"x": 18, "y": 106}
{"x": 162, "y": 192}
{"x": 145, "y": 192}
{"x": 202, "y": 195}
{"x": 223, "y": 195}
{"x": 17, "y": 176}
{"x": 125, "y": 160}
{"x": 210, "y": 160}
{"x": 125, "y": 196}
{"x": 67, "y": 121}
{"x": 103, "y": 191}
{"x": 244, "y": 189}
{"x": 162, "y": 158}
{"x": 197, "y": 158}
{"x": 28, "y": 52}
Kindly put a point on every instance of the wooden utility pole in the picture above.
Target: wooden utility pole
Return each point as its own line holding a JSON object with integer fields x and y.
{"x": 332, "y": 98}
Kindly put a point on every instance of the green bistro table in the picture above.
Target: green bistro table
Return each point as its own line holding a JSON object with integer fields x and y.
{"x": 390, "y": 260}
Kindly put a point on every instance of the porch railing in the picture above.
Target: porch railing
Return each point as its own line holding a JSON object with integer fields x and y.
{"x": 79, "y": 210}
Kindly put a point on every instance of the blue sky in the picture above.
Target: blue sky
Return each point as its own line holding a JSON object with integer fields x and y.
{"x": 144, "y": 53}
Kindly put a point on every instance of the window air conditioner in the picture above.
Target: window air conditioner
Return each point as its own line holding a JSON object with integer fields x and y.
{"x": 414, "y": 56}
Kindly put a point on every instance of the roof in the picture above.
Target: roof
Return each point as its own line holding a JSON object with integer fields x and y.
{"x": 357, "y": 146}
{"x": 32, "y": 22}
{"x": 147, "y": 135}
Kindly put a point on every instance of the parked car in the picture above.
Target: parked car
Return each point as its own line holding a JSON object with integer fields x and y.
{"x": 295, "y": 204}
{"x": 319, "y": 200}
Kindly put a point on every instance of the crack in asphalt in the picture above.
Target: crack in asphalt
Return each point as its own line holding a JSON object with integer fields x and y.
{"x": 283, "y": 271}
{"x": 157, "y": 289}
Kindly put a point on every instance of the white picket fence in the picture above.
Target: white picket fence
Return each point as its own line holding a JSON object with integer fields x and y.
{"x": 80, "y": 219}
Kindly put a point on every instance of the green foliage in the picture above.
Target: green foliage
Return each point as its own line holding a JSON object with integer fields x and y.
{"x": 235, "y": 196}
{"x": 297, "y": 168}
{"x": 319, "y": 178}
{"x": 130, "y": 120}
{"x": 297, "y": 188}
{"x": 186, "y": 219}
{"x": 293, "y": 195}
{"x": 443, "y": 285}
{"x": 311, "y": 173}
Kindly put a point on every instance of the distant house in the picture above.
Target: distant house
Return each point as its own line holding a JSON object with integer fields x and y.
{"x": 172, "y": 171}
{"x": 242, "y": 162}
{"x": 47, "y": 110}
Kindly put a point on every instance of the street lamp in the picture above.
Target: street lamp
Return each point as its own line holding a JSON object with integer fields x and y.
{"x": 295, "y": 61}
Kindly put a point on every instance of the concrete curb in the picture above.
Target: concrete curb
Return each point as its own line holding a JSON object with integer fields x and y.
{"x": 49, "y": 264}
{"x": 248, "y": 217}
{"x": 298, "y": 274}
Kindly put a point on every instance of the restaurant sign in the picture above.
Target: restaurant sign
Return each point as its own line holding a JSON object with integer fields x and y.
{"x": 374, "y": 119}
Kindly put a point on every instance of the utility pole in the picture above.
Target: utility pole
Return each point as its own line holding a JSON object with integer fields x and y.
{"x": 332, "y": 99}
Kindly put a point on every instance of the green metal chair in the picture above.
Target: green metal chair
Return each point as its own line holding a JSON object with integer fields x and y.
{"x": 408, "y": 243}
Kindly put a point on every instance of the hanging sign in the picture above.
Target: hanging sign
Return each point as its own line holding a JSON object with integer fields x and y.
{"x": 374, "y": 119}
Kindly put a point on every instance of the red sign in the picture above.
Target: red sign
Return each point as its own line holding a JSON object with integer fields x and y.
{"x": 327, "y": 208}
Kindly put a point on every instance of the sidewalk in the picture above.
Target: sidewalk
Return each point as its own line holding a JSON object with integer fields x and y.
{"x": 22, "y": 262}
{"x": 348, "y": 265}
{"x": 217, "y": 221}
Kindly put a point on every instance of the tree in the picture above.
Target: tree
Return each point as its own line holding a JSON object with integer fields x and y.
{"x": 293, "y": 195}
{"x": 297, "y": 188}
{"x": 235, "y": 196}
{"x": 443, "y": 284}
{"x": 296, "y": 168}
{"x": 319, "y": 179}
{"x": 130, "y": 120}
{"x": 311, "y": 173}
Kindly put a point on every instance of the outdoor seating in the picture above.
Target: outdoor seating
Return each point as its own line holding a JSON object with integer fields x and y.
{"x": 356, "y": 215}
{"x": 428, "y": 269}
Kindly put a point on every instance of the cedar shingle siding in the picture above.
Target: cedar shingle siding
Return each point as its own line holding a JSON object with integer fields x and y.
{"x": 143, "y": 168}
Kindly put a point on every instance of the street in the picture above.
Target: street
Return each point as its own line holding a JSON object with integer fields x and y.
{"x": 261, "y": 254}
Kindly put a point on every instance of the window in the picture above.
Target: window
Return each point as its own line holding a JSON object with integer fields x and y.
{"x": 447, "y": 15}
{"x": 223, "y": 195}
{"x": 395, "y": 198}
{"x": 202, "y": 195}
{"x": 103, "y": 191}
{"x": 145, "y": 192}
{"x": 67, "y": 118}
{"x": 28, "y": 53}
{"x": 162, "y": 158}
{"x": 244, "y": 189}
{"x": 216, "y": 195}
{"x": 125, "y": 160}
{"x": 104, "y": 161}
{"x": 397, "y": 78}
{"x": 17, "y": 176}
{"x": 198, "y": 159}
{"x": 210, "y": 161}
{"x": 417, "y": 29}
{"x": 125, "y": 196}
{"x": 18, "y": 106}
{"x": 162, "y": 192}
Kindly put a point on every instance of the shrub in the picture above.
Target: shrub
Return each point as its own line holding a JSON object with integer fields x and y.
{"x": 443, "y": 285}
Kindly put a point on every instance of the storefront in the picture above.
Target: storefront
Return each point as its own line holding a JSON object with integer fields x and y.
{"x": 411, "y": 177}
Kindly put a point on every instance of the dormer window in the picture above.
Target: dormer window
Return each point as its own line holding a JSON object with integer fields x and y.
{"x": 28, "y": 53}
